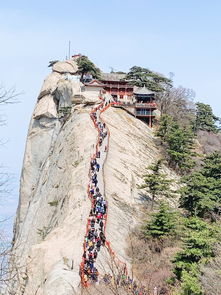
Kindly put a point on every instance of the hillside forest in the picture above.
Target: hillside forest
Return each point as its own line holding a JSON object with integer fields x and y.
{"x": 177, "y": 248}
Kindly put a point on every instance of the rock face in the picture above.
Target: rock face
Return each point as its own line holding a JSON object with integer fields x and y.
{"x": 50, "y": 84}
{"x": 63, "y": 93}
{"x": 45, "y": 108}
{"x": 53, "y": 206}
{"x": 63, "y": 67}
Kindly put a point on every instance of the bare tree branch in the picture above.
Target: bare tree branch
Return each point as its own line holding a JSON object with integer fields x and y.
{"x": 9, "y": 270}
{"x": 178, "y": 103}
{"x": 8, "y": 96}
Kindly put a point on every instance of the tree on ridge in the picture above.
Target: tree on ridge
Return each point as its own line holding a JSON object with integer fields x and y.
{"x": 205, "y": 119}
{"x": 86, "y": 66}
{"x": 143, "y": 77}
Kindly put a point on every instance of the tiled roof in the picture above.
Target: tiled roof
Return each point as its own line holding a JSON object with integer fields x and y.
{"x": 112, "y": 77}
{"x": 142, "y": 90}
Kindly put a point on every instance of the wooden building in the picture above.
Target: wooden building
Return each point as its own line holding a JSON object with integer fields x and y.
{"x": 140, "y": 102}
{"x": 145, "y": 105}
{"x": 94, "y": 85}
{"x": 117, "y": 86}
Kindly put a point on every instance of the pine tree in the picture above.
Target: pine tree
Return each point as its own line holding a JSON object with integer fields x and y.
{"x": 201, "y": 194}
{"x": 156, "y": 182}
{"x": 165, "y": 125}
{"x": 205, "y": 119}
{"x": 190, "y": 284}
{"x": 180, "y": 145}
{"x": 198, "y": 248}
{"x": 85, "y": 66}
{"x": 162, "y": 223}
{"x": 212, "y": 165}
{"x": 141, "y": 77}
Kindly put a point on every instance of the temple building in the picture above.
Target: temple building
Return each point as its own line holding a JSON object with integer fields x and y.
{"x": 145, "y": 105}
{"x": 140, "y": 102}
{"x": 94, "y": 85}
{"x": 117, "y": 86}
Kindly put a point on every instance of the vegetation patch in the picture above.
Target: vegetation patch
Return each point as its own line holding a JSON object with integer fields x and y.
{"x": 44, "y": 232}
{"x": 53, "y": 203}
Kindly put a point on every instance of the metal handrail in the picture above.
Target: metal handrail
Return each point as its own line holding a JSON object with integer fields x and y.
{"x": 135, "y": 104}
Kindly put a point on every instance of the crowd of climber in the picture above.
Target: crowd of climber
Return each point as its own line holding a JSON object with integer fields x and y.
{"x": 125, "y": 282}
{"x": 95, "y": 236}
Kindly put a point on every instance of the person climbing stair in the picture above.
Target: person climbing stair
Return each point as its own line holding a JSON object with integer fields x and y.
{"x": 95, "y": 234}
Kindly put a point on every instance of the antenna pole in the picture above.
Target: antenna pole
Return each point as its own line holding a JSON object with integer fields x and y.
{"x": 69, "y": 49}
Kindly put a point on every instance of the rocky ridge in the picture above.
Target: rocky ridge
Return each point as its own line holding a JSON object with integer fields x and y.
{"x": 53, "y": 206}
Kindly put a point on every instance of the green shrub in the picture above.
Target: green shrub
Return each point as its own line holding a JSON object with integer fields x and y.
{"x": 162, "y": 223}
{"x": 201, "y": 193}
{"x": 43, "y": 232}
{"x": 53, "y": 203}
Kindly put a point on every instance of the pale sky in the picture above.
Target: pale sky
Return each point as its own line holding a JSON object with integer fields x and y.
{"x": 182, "y": 37}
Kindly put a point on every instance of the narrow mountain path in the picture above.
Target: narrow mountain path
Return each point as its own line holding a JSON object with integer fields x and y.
{"x": 96, "y": 224}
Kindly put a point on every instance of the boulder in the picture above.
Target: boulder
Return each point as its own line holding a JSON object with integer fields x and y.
{"x": 77, "y": 98}
{"x": 45, "y": 107}
{"x": 63, "y": 93}
{"x": 90, "y": 98}
{"x": 50, "y": 84}
{"x": 63, "y": 67}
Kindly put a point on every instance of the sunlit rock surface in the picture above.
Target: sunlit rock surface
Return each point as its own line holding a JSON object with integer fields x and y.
{"x": 54, "y": 207}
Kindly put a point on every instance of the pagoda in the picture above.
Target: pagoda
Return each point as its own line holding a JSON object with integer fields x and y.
{"x": 145, "y": 104}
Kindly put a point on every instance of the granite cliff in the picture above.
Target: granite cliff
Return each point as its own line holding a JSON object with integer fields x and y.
{"x": 54, "y": 206}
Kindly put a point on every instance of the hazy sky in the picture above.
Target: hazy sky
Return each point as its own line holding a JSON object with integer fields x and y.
{"x": 182, "y": 37}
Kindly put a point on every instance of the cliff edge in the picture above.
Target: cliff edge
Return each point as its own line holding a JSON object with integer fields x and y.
{"x": 54, "y": 205}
